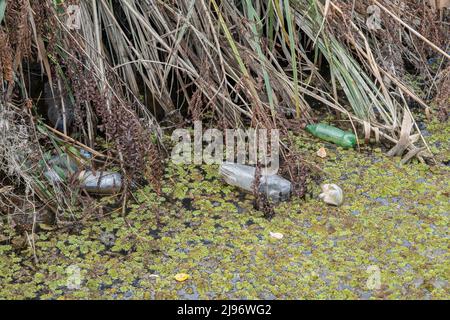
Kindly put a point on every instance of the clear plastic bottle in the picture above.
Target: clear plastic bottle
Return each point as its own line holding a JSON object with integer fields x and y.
{"x": 275, "y": 187}
{"x": 100, "y": 182}
{"x": 60, "y": 167}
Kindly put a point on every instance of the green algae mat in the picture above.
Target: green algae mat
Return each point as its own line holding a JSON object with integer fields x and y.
{"x": 202, "y": 239}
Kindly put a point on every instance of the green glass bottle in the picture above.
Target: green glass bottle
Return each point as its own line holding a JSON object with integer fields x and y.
{"x": 332, "y": 134}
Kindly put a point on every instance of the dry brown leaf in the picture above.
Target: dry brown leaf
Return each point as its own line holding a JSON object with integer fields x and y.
{"x": 322, "y": 153}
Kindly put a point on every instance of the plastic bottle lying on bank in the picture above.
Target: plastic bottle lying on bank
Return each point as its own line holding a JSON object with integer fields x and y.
{"x": 61, "y": 167}
{"x": 100, "y": 182}
{"x": 275, "y": 187}
{"x": 332, "y": 134}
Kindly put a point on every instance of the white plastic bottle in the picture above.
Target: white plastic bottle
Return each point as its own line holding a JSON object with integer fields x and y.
{"x": 275, "y": 187}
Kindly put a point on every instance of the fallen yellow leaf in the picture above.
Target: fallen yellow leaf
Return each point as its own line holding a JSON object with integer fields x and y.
{"x": 181, "y": 277}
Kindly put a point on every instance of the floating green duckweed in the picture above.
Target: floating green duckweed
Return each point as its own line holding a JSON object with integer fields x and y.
{"x": 394, "y": 220}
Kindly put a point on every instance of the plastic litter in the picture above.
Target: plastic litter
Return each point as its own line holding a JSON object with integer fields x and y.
{"x": 61, "y": 167}
{"x": 275, "y": 187}
{"x": 64, "y": 162}
{"x": 85, "y": 154}
{"x": 100, "y": 182}
{"x": 332, "y": 194}
{"x": 332, "y": 134}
